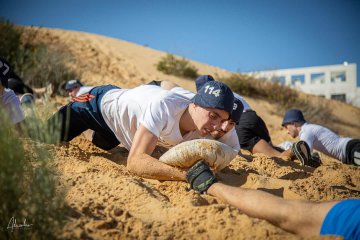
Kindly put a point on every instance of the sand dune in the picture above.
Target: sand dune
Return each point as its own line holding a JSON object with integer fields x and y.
{"x": 107, "y": 202}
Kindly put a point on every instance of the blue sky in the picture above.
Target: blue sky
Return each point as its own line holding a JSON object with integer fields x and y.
{"x": 235, "y": 35}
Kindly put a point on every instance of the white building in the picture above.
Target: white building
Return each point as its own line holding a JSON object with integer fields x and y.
{"x": 333, "y": 81}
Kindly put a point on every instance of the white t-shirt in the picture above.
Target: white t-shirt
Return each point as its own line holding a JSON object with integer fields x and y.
{"x": 155, "y": 108}
{"x": 243, "y": 101}
{"x": 12, "y": 106}
{"x": 183, "y": 92}
{"x": 324, "y": 140}
{"x": 84, "y": 89}
{"x": 230, "y": 138}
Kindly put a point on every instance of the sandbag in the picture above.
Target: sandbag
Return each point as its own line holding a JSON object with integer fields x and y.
{"x": 216, "y": 154}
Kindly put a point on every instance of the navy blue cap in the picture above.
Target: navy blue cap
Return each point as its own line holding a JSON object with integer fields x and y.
{"x": 72, "y": 84}
{"x": 293, "y": 115}
{"x": 200, "y": 81}
{"x": 215, "y": 94}
{"x": 5, "y": 72}
{"x": 238, "y": 109}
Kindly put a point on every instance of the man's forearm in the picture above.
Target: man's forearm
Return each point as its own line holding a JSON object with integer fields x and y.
{"x": 149, "y": 167}
{"x": 254, "y": 203}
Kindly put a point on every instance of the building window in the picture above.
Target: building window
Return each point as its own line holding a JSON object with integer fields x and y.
{"x": 338, "y": 76}
{"x": 279, "y": 79}
{"x": 297, "y": 78}
{"x": 339, "y": 97}
{"x": 318, "y": 78}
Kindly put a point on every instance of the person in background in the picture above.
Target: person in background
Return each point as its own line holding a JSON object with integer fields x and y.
{"x": 8, "y": 99}
{"x": 75, "y": 88}
{"x": 15, "y": 83}
{"x": 322, "y": 139}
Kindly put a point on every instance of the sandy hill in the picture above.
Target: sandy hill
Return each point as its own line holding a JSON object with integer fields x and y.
{"x": 108, "y": 202}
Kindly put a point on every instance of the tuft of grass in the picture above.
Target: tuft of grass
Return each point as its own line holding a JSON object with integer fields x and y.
{"x": 28, "y": 182}
{"x": 270, "y": 91}
{"x": 171, "y": 65}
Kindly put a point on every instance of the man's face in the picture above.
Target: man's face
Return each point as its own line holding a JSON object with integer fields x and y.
{"x": 72, "y": 92}
{"x": 225, "y": 127}
{"x": 208, "y": 120}
{"x": 291, "y": 130}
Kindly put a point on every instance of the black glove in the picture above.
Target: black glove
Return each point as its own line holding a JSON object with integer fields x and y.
{"x": 200, "y": 177}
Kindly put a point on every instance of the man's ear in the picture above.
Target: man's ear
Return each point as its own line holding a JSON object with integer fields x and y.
{"x": 193, "y": 105}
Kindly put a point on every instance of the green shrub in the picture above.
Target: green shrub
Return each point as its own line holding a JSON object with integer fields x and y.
{"x": 35, "y": 63}
{"x": 178, "y": 67}
{"x": 28, "y": 185}
{"x": 271, "y": 91}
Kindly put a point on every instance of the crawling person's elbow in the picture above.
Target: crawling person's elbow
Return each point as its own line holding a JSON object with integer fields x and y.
{"x": 131, "y": 165}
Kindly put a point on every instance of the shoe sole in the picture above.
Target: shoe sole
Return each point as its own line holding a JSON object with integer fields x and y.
{"x": 302, "y": 152}
{"x": 357, "y": 158}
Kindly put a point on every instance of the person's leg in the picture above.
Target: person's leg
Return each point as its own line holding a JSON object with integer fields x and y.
{"x": 82, "y": 114}
{"x": 105, "y": 140}
{"x": 261, "y": 129}
{"x": 254, "y": 135}
{"x": 264, "y": 147}
{"x": 66, "y": 124}
{"x": 300, "y": 217}
{"x": 245, "y": 130}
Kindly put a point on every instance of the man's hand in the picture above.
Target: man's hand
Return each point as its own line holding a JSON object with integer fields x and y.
{"x": 142, "y": 164}
{"x": 200, "y": 177}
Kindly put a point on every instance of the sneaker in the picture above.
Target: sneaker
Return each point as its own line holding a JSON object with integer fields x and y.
{"x": 315, "y": 160}
{"x": 357, "y": 158}
{"x": 302, "y": 152}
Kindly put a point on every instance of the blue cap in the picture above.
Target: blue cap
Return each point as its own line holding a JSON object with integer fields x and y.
{"x": 72, "y": 84}
{"x": 215, "y": 94}
{"x": 293, "y": 115}
{"x": 200, "y": 81}
{"x": 238, "y": 109}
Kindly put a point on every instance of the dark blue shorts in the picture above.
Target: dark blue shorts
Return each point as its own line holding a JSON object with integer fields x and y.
{"x": 83, "y": 113}
{"x": 343, "y": 219}
{"x": 251, "y": 129}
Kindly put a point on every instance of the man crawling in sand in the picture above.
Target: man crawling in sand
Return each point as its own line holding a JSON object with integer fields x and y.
{"x": 139, "y": 117}
{"x": 246, "y": 130}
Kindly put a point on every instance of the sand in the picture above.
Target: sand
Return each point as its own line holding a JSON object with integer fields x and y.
{"x": 105, "y": 201}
